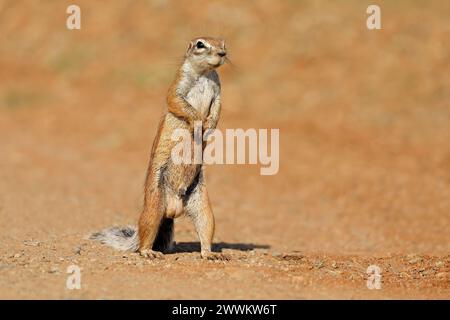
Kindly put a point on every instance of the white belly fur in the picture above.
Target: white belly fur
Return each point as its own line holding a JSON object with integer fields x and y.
{"x": 201, "y": 95}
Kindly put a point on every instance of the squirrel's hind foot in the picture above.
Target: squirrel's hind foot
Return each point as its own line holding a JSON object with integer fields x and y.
{"x": 151, "y": 254}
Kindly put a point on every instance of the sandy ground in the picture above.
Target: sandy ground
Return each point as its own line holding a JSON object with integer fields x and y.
{"x": 364, "y": 119}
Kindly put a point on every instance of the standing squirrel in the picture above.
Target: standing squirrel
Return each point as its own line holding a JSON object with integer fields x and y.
{"x": 172, "y": 190}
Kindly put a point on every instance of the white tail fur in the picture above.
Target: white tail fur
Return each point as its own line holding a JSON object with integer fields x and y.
{"x": 120, "y": 238}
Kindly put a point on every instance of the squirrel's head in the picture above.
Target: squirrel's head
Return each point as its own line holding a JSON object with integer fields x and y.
{"x": 206, "y": 53}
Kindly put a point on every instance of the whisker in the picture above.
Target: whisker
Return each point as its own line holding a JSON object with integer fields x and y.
{"x": 231, "y": 64}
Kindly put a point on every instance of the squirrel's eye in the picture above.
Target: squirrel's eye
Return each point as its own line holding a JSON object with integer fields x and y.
{"x": 200, "y": 45}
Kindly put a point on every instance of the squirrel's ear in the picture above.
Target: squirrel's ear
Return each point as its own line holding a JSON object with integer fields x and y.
{"x": 191, "y": 44}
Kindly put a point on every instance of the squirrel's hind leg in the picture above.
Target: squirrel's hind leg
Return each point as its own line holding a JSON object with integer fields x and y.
{"x": 150, "y": 222}
{"x": 198, "y": 208}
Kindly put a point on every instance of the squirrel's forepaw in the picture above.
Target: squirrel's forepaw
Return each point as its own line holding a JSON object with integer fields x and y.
{"x": 150, "y": 254}
{"x": 215, "y": 256}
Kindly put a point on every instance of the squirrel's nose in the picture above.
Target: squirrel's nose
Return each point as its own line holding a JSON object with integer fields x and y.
{"x": 222, "y": 53}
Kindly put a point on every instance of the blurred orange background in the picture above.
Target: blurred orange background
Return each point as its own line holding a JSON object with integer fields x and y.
{"x": 364, "y": 119}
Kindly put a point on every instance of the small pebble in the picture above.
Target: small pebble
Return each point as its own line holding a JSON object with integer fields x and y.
{"x": 415, "y": 260}
{"x": 32, "y": 243}
{"x": 441, "y": 275}
{"x": 319, "y": 265}
{"x": 53, "y": 269}
{"x": 276, "y": 254}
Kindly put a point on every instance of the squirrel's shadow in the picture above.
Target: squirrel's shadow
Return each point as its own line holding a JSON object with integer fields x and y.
{"x": 185, "y": 247}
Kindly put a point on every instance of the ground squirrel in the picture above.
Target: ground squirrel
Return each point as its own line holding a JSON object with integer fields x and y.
{"x": 175, "y": 189}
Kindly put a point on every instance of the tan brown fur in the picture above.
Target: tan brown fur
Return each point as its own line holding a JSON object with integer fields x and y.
{"x": 172, "y": 190}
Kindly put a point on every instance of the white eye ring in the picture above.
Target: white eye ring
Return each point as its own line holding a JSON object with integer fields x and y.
{"x": 200, "y": 45}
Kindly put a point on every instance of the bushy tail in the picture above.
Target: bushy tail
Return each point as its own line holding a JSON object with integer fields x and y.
{"x": 127, "y": 238}
{"x": 123, "y": 239}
